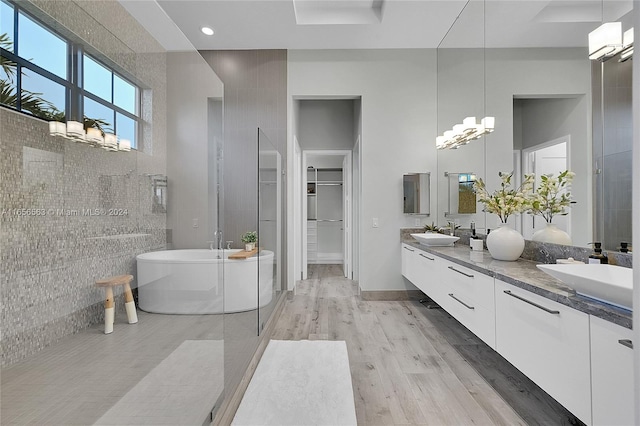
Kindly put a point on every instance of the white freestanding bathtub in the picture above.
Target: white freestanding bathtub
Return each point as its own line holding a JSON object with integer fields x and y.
{"x": 190, "y": 281}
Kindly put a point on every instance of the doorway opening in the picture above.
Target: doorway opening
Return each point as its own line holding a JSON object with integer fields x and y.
{"x": 327, "y": 141}
{"x": 327, "y": 209}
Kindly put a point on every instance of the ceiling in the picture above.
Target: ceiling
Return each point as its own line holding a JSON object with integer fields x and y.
{"x": 372, "y": 24}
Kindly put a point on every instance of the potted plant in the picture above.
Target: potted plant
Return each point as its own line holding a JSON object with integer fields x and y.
{"x": 432, "y": 228}
{"x": 505, "y": 243}
{"x": 249, "y": 239}
{"x": 550, "y": 199}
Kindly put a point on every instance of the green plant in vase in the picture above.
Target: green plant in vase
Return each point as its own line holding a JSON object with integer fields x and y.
{"x": 551, "y": 198}
{"x": 432, "y": 228}
{"x": 249, "y": 238}
{"x": 505, "y": 243}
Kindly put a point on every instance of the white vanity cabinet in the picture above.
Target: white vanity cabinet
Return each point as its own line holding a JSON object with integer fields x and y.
{"x": 469, "y": 297}
{"x": 611, "y": 373}
{"x": 548, "y": 342}
{"x": 422, "y": 269}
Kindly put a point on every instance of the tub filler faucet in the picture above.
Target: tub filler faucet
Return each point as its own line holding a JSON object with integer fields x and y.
{"x": 217, "y": 241}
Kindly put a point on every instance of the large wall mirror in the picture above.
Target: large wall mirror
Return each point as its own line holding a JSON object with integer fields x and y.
{"x": 461, "y": 90}
{"x": 554, "y": 109}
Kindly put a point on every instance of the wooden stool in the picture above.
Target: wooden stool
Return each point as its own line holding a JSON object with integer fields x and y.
{"x": 109, "y": 303}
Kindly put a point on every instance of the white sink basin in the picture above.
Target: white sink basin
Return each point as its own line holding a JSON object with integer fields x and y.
{"x": 433, "y": 239}
{"x": 607, "y": 283}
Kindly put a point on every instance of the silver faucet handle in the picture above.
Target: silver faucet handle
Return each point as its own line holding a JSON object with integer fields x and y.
{"x": 229, "y": 245}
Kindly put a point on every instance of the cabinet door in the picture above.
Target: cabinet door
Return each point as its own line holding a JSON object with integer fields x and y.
{"x": 409, "y": 263}
{"x": 429, "y": 278}
{"x": 421, "y": 269}
{"x": 548, "y": 342}
{"x": 469, "y": 297}
{"x": 611, "y": 373}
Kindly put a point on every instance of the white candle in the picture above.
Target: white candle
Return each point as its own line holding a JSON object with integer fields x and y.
{"x": 57, "y": 128}
{"x": 75, "y": 131}
{"x": 95, "y": 136}
{"x": 125, "y": 145}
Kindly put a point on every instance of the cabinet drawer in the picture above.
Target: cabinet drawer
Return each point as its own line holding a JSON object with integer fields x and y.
{"x": 476, "y": 287}
{"x": 611, "y": 373}
{"x": 548, "y": 342}
{"x": 478, "y": 319}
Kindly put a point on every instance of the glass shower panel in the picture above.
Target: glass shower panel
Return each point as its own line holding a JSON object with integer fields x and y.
{"x": 269, "y": 227}
{"x": 78, "y": 214}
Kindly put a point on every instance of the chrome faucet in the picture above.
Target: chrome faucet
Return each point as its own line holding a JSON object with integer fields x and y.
{"x": 217, "y": 241}
{"x": 218, "y": 236}
{"x": 229, "y": 245}
{"x": 452, "y": 227}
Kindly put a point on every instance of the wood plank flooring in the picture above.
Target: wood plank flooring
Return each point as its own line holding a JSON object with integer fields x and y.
{"x": 411, "y": 365}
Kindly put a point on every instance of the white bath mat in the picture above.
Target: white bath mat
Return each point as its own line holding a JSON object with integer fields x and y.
{"x": 181, "y": 390}
{"x": 300, "y": 383}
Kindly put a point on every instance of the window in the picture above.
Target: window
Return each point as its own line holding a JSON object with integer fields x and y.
{"x": 110, "y": 98}
{"x": 37, "y": 64}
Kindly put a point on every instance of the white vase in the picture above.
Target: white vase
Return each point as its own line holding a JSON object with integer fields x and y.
{"x": 505, "y": 243}
{"x": 552, "y": 234}
{"x": 249, "y": 246}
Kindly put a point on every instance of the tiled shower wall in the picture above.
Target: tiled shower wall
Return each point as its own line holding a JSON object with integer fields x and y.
{"x": 255, "y": 95}
{"x": 51, "y": 260}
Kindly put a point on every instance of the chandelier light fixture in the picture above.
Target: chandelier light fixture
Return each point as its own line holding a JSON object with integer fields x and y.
{"x": 462, "y": 134}
{"x": 74, "y": 131}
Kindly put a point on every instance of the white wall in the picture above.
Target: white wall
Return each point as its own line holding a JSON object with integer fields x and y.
{"x": 326, "y": 124}
{"x": 187, "y": 147}
{"x": 398, "y": 89}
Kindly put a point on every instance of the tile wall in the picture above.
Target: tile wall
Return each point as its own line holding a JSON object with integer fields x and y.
{"x": 52, "y": 249}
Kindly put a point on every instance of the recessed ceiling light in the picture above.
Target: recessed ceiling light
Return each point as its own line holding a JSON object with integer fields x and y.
{"x": 207, "y": 31}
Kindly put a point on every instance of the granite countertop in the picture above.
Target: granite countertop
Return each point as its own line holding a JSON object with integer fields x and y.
{"x": 525, "y": 275}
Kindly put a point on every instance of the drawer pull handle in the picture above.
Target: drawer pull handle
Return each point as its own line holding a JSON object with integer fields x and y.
{"x": 532, "y": 303}
{"x": 626, "y": 342}
{"x": 460, "y": 301}
{"x": 460, "y": 272}
{"x": 426, "y": 257}
{"x": 407, "y": 248}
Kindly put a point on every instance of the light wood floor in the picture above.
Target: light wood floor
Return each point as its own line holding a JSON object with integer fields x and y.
{"x": 411, "y": 365}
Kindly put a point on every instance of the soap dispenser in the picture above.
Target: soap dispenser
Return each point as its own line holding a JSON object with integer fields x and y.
{"x": 597, "y": 256}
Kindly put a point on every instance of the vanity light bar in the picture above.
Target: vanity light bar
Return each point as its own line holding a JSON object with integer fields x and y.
{"x": 74, "y": 131}
{"x": 627, "y": 46}
{"x": 605, "y": 41}
{"x": 462, "y": 134}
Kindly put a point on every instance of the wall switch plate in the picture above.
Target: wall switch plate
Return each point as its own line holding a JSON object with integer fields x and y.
{"x": 194, "y": 223}
{"x": 374, "y": 222}
{"x": 416, "y": 221}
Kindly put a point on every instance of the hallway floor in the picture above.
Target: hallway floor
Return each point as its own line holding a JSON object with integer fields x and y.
{"x": 411, "y": 365}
